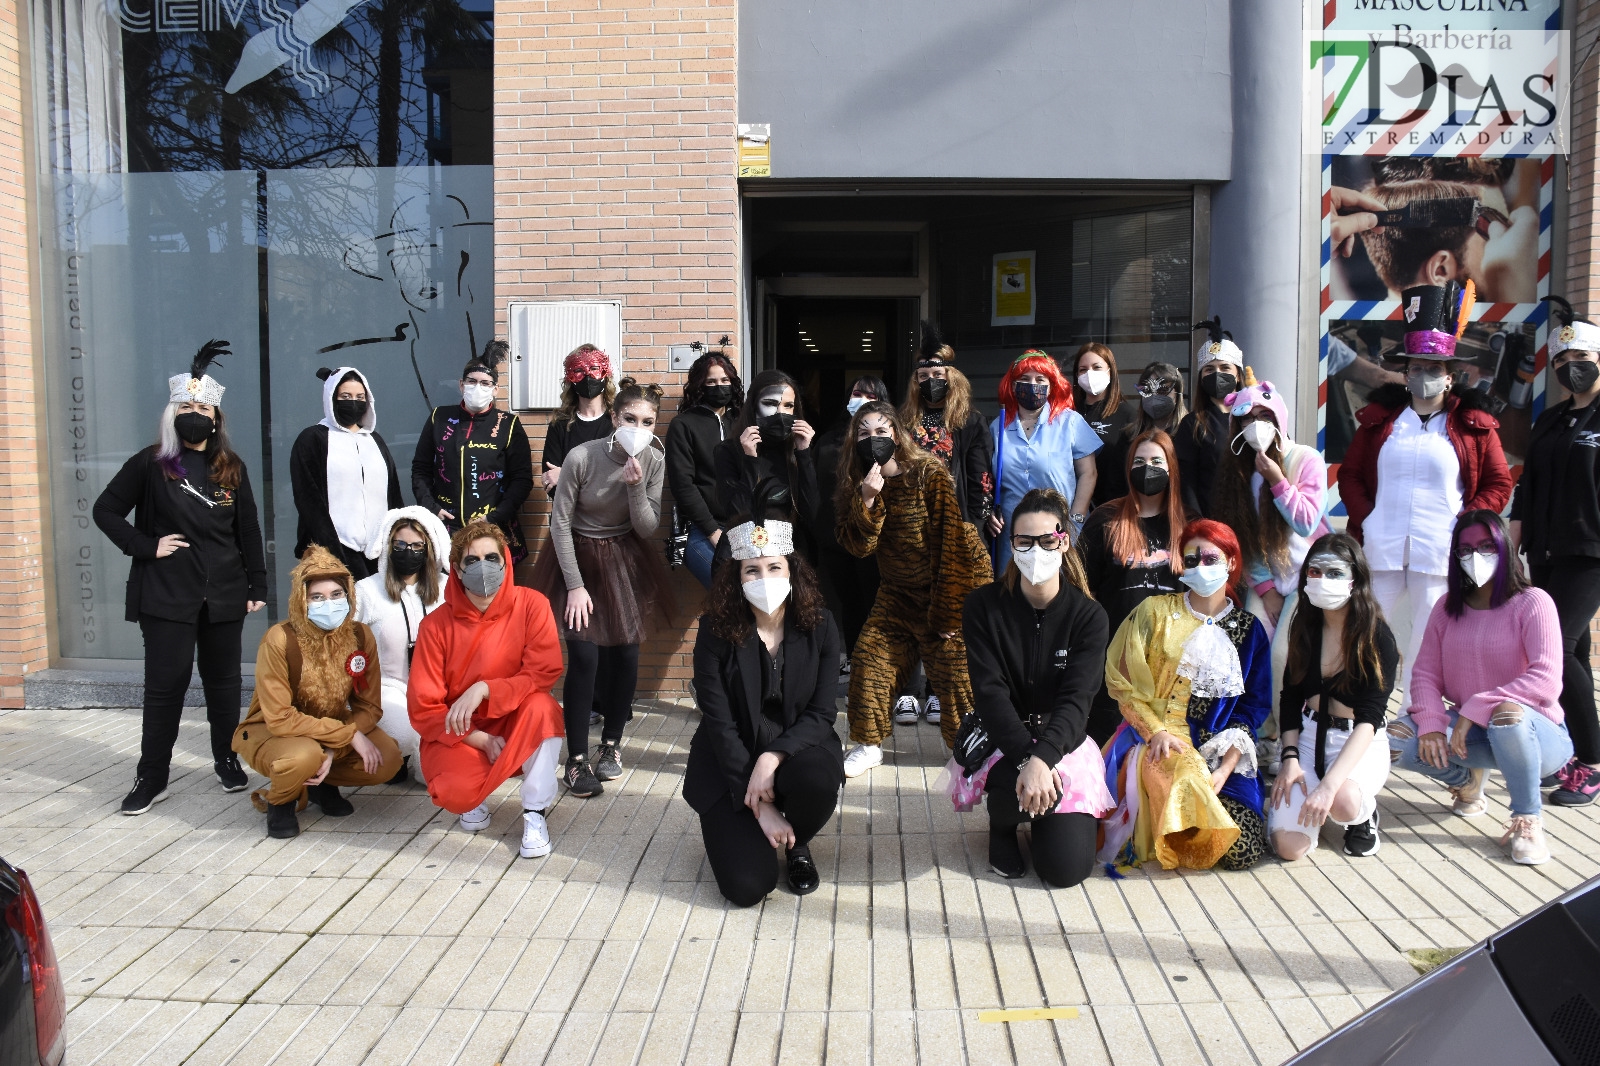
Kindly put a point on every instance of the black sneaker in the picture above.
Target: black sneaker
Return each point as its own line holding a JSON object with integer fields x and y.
{"x": 231, "y": 774}
{"x": 144, "y": 795}
{"x": 607, "y": 761}
{"x": 1361, "y": 839}
{"x": 1005, "y": 854}
{"x": 327, "y": 797}
{"x": 580, "y": 780}
{"x": 403, "y": 775}
{"x": 803, "y": 877}
{"x": 281, "y": 821}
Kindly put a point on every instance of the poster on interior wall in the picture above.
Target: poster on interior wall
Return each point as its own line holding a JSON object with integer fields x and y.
{"x": 1437, "y": 164}
{"x": 1012, "y": 290}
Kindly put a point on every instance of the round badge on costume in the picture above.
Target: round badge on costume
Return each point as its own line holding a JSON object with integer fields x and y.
{"x": 356, "y": 665}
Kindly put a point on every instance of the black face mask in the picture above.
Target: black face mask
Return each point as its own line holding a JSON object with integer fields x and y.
{"x": 1030, "y": 397}
{"x": 775, "y": 427}
{"x": 589, "y": 387}
{"x": 874, "y": 450}
{"x": 1579, "y": 375}
{"x": 350, "y": 412}
{"x": 405, "y": 563}
{"x": 716, "y": 395}
{"x": 1219, "y": 385}
{"x": 194, "y": 427}
{"x": 1158, "y": 406}
{"x": 1149, "y": 480}
{"x": 933, "y": 390}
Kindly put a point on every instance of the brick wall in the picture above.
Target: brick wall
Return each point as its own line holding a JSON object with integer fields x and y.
{"x": 1582, "y": 277}
{"x": 23, "y": 637}
{"x": 614, "y": 177}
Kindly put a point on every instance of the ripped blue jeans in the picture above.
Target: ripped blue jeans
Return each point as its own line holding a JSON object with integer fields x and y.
{"x": 1523, "y": 750}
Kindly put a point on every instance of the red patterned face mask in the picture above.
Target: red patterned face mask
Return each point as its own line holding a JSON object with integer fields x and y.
{"x": 592, "y": 363}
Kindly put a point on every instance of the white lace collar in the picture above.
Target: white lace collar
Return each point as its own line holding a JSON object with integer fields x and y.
{"x": 1210, "y": 660}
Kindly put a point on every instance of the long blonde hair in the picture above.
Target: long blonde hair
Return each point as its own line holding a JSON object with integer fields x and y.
{"x": 957, "y": 401}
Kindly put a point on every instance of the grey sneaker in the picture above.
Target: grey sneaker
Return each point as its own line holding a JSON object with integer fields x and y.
{"x": 607, "y": 761}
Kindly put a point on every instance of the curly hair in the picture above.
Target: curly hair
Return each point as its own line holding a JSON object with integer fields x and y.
{"x": 1034, "y": 361}
{"x": 730, "y": 615}
{"x": 568, "y": 411}
{"x": 694, "y": 390}
{"x": 477, "y": 530}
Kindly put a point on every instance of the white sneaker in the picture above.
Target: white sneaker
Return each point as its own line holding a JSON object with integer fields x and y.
{"x": 861, "y": 758}
{"x": 931, "y": 710}
{"x": 1269, "y": 754}
{"x": 477, "y": 819}
{"x": 535, "y": 835}
{"x": 844, "y": 668}
{"x": 906, "y": 711}
{"x": 1525, "y": 834}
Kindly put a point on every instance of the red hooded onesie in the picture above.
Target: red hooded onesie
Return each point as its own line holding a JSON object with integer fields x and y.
{"x": 513, "y": 646}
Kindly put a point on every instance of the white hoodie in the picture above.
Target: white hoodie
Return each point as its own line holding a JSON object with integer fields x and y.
{"x": 394, "y": 622}
{"x": 358, "y": 477}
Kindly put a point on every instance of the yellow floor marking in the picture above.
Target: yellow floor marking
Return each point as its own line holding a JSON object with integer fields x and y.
{"x": 1027, "y": 1014}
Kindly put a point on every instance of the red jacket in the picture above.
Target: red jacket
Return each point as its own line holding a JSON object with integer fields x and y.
{"x": 1473, "y": 431}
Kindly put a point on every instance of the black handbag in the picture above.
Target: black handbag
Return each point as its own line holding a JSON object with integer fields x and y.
{"x": 973, "y": 745}
{"x": 678, "y": 541}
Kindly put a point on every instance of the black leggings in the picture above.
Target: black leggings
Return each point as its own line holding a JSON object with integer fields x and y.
{"x": 1063, "y": 844}
{"x": 1573, "y": 583}
{"x": 599, "y": 679}
{"x": 169, "y": 658}
{"x": 807, "y": 789}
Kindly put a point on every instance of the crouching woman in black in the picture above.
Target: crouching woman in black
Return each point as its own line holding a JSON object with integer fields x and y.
{"x": 765, "y": 766}
{"x": 1036, "y": 651}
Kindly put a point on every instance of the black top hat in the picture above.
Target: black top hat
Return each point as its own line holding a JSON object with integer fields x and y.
{"x": 1435, "y": 316}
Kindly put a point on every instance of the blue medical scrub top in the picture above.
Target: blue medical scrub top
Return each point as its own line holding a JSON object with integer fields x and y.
{"x": 1045, "y": 462}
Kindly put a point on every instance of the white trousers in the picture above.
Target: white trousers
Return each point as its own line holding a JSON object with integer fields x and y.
{"x": 1419, "y": 592}
{"x": 1369, "y": 776}
{"x": 397, "y": 723}
{"x": 539, "y": 775}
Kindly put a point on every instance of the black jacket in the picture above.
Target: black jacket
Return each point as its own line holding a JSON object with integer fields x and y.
{"x": 727, "y": 685}
{"x": 475, "y": 466}
{"x": 1558, "y": 498}
{"x": 692, "y": 441}
{"x": 739, "y": 475}
{"x": 1024, "y": 664}
{"x": 308, "y": 477}
{"x": 1198, "y": 459}
{"x": 225, "y": 564}
{"x": 971, "y": 465}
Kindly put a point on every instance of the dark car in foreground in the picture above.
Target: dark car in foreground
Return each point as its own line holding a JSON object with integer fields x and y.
{"x": 1527, "y": 996}
{"x": 33, "y": 1005}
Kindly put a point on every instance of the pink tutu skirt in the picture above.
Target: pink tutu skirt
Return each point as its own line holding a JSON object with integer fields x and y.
{"x": 1081, "y": 773}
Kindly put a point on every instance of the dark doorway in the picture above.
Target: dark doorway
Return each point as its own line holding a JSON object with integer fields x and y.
{"x": 826, "y": 343}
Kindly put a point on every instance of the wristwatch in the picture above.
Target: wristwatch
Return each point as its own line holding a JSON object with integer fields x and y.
{"x": 1078, "y": 519}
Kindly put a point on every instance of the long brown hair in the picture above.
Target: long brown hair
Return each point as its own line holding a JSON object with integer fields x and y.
{"x": 568, "y": 411}
{"x": 730, "y": 614}
{"x": 1113, "y": 390}
{"x": 911, "y": 458}
{"x": 1050, "y": 502}
{"x": 428, "y": 579}
{"x": 1125, "y": 533}
{"x": 1263, "y": 532}
{"x": 957, "y": 401}
{"x": 1360, "y": 641}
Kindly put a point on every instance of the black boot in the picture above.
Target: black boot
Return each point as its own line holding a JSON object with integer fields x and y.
{"x": 402, "y": 775}
{"x": 281, "y": 821}
{"x": 327, "y": 797}
{"x": 1005, "y": 854}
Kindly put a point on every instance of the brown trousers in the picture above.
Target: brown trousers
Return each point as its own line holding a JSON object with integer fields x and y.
{"x": 895, "y": 637}
{"x": 289, "y": 762}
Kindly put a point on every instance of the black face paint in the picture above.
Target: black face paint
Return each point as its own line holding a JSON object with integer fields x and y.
{"x": 1219, "y": 385}
{"x": 1149, "y": 480}
{"x": 874, "y": 450}
{"x": 933, "y": 390}
{"x": 589, "y": 387}
{"x": 716, "y": 395}
{"x": 350, "y": 412}
{"x": 1157, "y": 406}
{"x": 194, "y": 427}
{"x": 1578, "y": 375}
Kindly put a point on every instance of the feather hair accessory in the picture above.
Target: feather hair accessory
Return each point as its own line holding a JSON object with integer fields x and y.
{"x": 1574, "y": 332}
{"x": 1469, "y": 296}
{"x": 198, "y": 386}
{"x": 934, "y": 350}
{"x": 1219, "y": 345}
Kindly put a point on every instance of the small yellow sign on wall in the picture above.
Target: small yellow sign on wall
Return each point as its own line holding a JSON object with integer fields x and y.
{"x": 755, "y": 150}
{"x": 1013, "y": 303}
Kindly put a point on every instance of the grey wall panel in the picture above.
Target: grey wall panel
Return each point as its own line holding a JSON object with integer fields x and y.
{"x": 1080, "y": 89}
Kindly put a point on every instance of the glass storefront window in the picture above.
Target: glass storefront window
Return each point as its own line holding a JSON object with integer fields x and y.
{"x": 312, "y": 184}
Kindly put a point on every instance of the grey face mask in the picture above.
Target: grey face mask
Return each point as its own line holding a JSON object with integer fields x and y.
{"x": 482, "y": 578}
{"x": 1426, "y": 388}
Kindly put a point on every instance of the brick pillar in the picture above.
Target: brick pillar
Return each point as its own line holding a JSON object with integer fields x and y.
{"x": 1583, "y": 202}
{"x": 23, "y": 637}
{"x": 615, "y": 177}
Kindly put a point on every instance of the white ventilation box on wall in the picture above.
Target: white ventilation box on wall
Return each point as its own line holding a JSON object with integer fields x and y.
{"x": 542, "y": 332}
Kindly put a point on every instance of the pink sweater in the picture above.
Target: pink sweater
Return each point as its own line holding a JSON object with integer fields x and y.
{"x": 1485, "y": 658}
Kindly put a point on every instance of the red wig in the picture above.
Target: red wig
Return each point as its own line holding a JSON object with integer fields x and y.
{"x": 1222, "y": 537}
{"x": 1035, "y": 362}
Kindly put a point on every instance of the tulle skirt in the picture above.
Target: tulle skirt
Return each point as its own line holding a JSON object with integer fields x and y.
{"x": 624, "y": 576}
{"x": 1080, "y": 773}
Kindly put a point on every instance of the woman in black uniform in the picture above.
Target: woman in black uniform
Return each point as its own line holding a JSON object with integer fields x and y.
{"x": 712, "y": 398}
{"x": 198, "y": 569}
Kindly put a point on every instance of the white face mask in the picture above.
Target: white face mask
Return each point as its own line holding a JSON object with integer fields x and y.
{"x": 855, "y": 404}
{"x": 634, "y": 439}
{"x": 1479, "y": 569}
{"x": 766, "y": 594}
{"x": 477, "y": 397}
{"x": 1094, "y": 382}
{"x": 1259, "y": 435}
{"x": 1037, "y": 564}
{"x": 1329, "y": 593}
